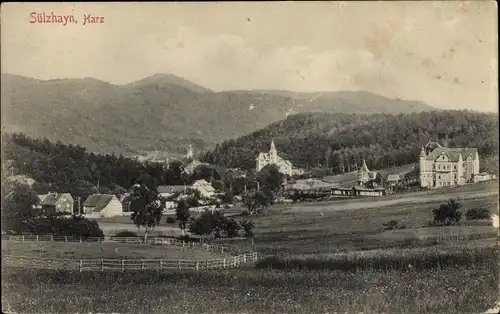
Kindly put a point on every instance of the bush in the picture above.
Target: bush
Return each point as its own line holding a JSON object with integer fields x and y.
{"x": 447, "y": 213}
{"x": 394, "y": 224}
{"x": 478, "y": 213}
{"x": 126, "y": 234}
{"x": 247, "y": 226}
{"x": 171, "y": 220}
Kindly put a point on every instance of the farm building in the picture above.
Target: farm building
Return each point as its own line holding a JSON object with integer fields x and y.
{"x": 393, "y": 179}
{"x": 102, "y": 205}
{"x": 56, "y": 202}
{"x": 482, "y": 177}
{"x": 169, "y": 190}
{"x": 205, "y": 188}
{"x": 362, "y": 191}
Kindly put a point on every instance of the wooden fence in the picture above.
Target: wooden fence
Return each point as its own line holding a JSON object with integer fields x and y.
{"x": 127, "y": 264}
{"x": 128, "y": 240}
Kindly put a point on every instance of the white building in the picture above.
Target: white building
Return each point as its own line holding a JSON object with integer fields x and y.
{"x": 102, "y": 205}
{"x": 272, "y": 158}
{"x": 205, "y": 188}
{"x": 365, "y": 175}
{"x": 445, "y": 166}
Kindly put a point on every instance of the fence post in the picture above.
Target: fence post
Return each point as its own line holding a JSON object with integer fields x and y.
{"x": 155, "y": 240}
{"x": 197, "y": 265}
{"x": 102, "y": 265}
{"x": 51, "y": 238}
{"x": 65, "y": 238}
{"x": 37, "y": 238}
{"x": 244, "y": 258}
{"x": 236, "y": 258}
{"x": 98, "y": 240}
{"x": 123, "y": 265}
{"x": 222, "y": 250}
{"x": 23, "y": 237}
{"x": 80, "y": 266}
{"x": 224, "y": 263}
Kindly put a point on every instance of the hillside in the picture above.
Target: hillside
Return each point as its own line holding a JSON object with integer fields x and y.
{"x": 340, "y": 142}
{"x": 162, "y": 112}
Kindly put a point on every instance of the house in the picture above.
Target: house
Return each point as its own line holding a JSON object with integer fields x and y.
{"x": 445, "y": 166}
{"x": 102, "y": 205}
{"x": 480, "y": 177}
{"x": 169, "y": 190}
{"x": 56, "y": 202}
{"x": 205, "y": 188}
{"x": 362, "y": 191}
{"x": 393, "y": 179}
{"x": 191, "y": 166}
{"x": 272, "y": 158}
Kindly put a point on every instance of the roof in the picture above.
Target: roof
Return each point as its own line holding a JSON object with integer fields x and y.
{"x": 360, "y": 188}
{"x": 52, "y": 198}
{"x": 204, "y": 185}
{"x": 393, "y": 177}
{"x": 99, "y": 201}
{"x": 163, "y": 189}
{"x": 452, "y": 153}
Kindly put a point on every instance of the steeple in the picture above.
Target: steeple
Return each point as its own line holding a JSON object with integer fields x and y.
{"x": 190, "y": 152}
{"x": 364, "y": 168}
{"x": 273, "y": 148}
{"x": 422, "y": 152}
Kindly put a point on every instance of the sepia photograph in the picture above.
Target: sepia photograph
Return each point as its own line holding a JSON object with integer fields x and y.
{"x": 250, "y": 157}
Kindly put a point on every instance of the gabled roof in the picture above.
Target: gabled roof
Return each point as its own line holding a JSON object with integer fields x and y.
{"x": 163, "y": 189}
{"x": 99, "y": 201}
{"x": 52, "y": 198}
{"x": 393, "y": 177}
{"x": 204, "y": 185}
{"x": 452, "y": 153}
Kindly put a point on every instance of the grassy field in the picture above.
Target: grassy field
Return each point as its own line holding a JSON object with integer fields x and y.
{"x": 359, "y": 224}
{"x": 317, "y": 257}
{"x": 453, "y": 290}
{"x": 107, "y": 250}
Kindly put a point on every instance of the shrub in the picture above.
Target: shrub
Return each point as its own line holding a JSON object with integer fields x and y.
{"x": 171, "y": 220}
{"x": 447, "y": 213}
{"x": 126, "y": 234}
{"x": 478, "y": 213}
{"x": 394, "y": 224}
{"x": 247, "y": 226}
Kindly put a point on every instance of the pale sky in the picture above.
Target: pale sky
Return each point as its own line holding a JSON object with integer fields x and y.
{"x": 443, "y": 53}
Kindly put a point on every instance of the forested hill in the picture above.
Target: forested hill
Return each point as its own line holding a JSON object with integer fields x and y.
{"x": 341, "y": 141}
{"x": 162, "y": 112}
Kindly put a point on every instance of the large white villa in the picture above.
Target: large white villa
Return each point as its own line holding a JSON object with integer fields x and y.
{"x": 445, "y": 166}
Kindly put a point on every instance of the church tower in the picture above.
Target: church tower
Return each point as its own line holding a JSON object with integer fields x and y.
{"x": 189, "y": 154}
{"x": 273, "y": 154}
{"x": 423, "y": 176}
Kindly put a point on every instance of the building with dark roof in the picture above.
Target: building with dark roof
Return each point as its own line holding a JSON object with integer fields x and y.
{"x": 445, "y": 166}
{"x": 56, "y": 202}
{"x": 102, "y": 205}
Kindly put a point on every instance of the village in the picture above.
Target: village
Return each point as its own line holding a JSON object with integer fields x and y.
{"x": 438, "y": 167}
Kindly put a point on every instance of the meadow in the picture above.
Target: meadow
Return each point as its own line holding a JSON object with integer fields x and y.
{"x": 315, "y": 257}
{"x": 106, "y": 250}
{"x": 452, "y": 290}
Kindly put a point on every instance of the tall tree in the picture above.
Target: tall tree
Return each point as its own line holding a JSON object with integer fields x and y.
{"x": 146, "y": 207}
{"x": 182, "y": 214}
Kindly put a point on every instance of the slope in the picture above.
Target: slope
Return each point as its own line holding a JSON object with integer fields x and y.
{"x": 162, "y": 112}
